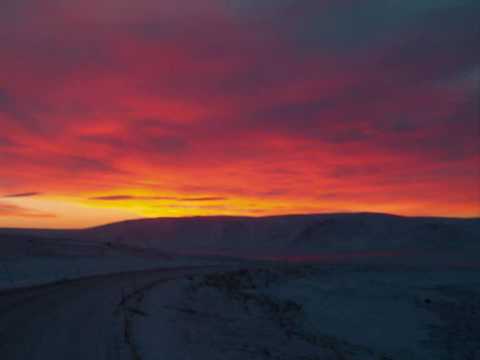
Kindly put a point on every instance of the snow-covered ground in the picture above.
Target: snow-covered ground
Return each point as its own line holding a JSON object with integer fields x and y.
{"x": 319, "y": 312}
{"x": 25, "y": 272}
{"x": 246, "y": 311}
{"x": 439, "y": 240}
{"x": 421, "y": 308}
{"x": 75, "y": 320}
{"x": 27, "y": 261}
{"x": 29, "y": 256}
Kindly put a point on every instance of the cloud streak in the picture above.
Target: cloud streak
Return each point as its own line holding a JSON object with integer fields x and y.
{"x": 156, "y": 198}
{"x": 11, "y": 210}
{"x": 22, "y": 195}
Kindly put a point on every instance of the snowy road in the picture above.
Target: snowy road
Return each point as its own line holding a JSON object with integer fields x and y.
{"x": 73, "y": 320}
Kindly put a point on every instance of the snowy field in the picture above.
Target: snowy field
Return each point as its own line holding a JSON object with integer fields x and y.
{"x": 313, "y": 312}
{"x": 29, "y": 256}
{"x": 28, "y": 261}
{"x": 341, "y": 287}
{"x": 25, "y": 272}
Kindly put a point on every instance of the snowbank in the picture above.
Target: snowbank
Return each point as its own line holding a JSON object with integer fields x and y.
{"x": 298, "y": 312}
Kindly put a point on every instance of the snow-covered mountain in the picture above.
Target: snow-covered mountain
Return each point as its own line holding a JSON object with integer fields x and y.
{"x": 288, "y": 236}
{"x": 300, "y": 235}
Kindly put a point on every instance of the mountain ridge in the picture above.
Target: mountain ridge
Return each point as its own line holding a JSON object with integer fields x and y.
{"x": 284, "y": 235}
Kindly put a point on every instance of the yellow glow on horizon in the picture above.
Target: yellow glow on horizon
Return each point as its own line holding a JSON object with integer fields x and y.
{"x": 85, "y": 211}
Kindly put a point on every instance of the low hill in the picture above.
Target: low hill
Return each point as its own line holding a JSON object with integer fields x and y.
{"x": 289, "y": 236}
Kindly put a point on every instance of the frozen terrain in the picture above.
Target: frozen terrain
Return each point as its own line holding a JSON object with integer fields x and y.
{"x": 340, "y": 236}
{"x": 342, "y": 286}
{"x": 437, "y": 240}
{"x": 279, "y": 311}
{"x": 75, "y": 320}
{"x": 27, "y": 260}
{"x": 315, "y": 312}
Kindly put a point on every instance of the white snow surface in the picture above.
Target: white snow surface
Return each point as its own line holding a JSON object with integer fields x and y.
{"x": 328, "y": 237}
{"x": 345, "y": 312}
{"x": 75, "y": 320}
{"x": 26, "y": 272}
{"x": 335, "y": 238}
{"x": 28, "y": 261}
{"x": 427, "y": 306}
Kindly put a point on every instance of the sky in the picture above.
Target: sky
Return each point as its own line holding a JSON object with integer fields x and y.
{"x": 119, "y": 109}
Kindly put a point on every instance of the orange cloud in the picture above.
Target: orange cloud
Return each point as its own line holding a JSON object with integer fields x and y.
{"x": 10, "y": 210}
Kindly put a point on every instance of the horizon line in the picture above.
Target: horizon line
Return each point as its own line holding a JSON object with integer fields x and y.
{"x": 245, "y": 217}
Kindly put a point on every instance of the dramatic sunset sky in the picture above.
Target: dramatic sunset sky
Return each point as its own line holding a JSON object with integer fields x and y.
{"x": 116, "y": 109}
